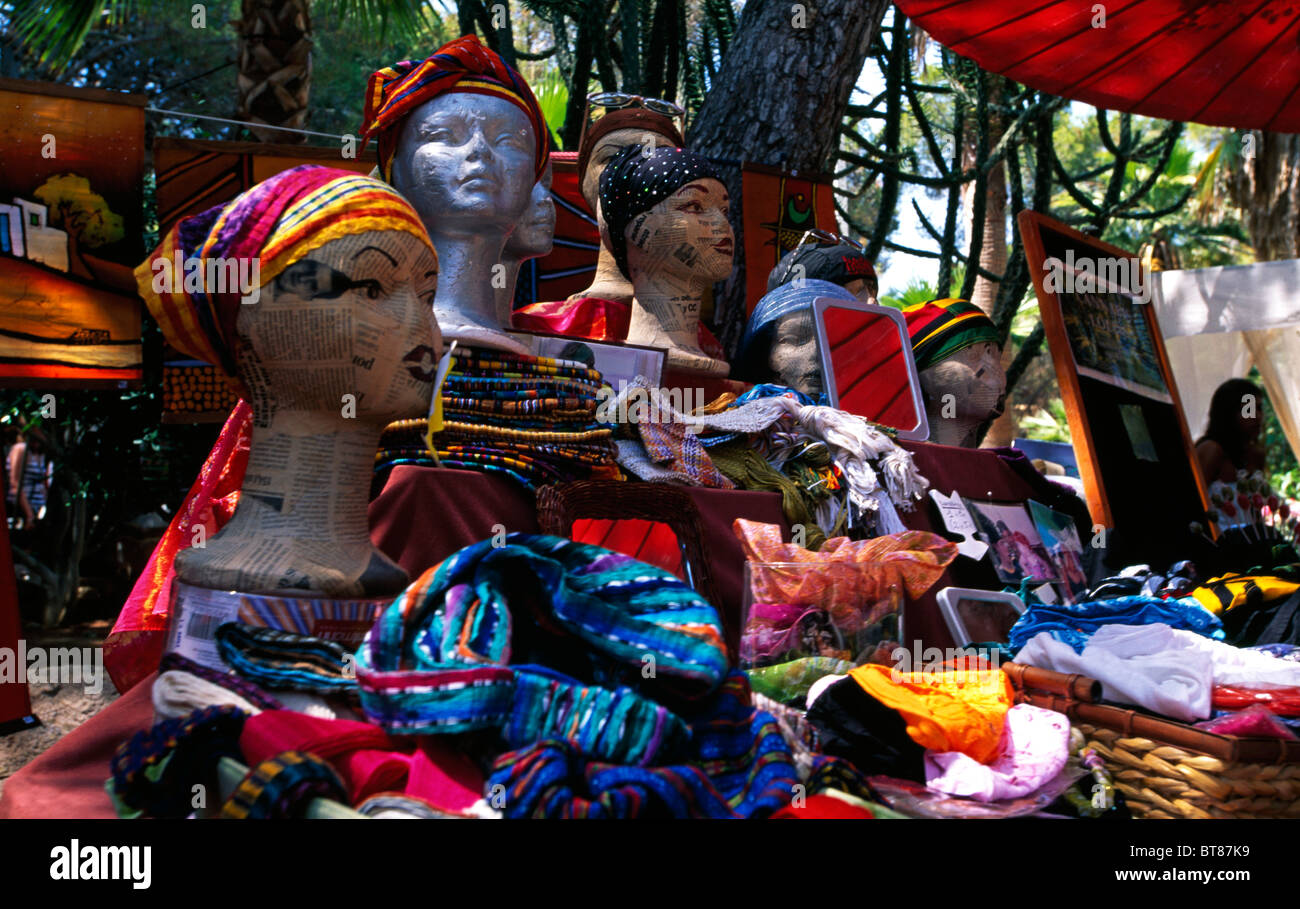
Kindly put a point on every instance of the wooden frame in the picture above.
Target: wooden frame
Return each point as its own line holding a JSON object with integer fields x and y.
{"x": 1031, "y": 225}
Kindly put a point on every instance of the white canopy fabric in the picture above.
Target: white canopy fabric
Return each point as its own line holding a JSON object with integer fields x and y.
{"x": 1219, "y": 322}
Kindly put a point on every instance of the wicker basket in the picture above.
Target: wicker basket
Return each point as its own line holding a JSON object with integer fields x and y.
{"x": 1164, "y": 781}
{"x": 1167, "y": 769}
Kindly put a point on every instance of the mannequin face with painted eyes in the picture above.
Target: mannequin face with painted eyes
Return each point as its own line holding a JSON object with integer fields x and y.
{"x": 465, "y": 161}
{"x": 975, "y": 380}
{"x": 686, "y": 235}
{"x": 353, "y": 317}
{"x": 793, "y": 358}
{"x": 535, "y": 235}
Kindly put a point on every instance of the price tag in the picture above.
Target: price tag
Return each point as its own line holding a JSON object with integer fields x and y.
{"x": 957, "y": 520}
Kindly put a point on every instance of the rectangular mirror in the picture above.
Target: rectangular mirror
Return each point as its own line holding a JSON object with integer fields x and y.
{"x": 867, "y": 365}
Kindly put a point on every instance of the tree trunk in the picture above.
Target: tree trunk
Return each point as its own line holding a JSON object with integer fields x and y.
{"x": 274, "y": 66}
{"x": 1266, "y": 187}
{"x": 778, "y": 100}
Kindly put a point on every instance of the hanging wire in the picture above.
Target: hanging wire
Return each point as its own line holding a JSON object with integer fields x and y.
{"x": 243, "y": 123}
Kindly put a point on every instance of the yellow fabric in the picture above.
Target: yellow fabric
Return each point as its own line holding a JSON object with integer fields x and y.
{"x": 1223, "y": 594}
{"x": 962, "y": 710}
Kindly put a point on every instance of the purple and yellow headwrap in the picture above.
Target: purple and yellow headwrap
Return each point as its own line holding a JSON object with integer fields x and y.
{"x": 277, "y": 222}
{"x": 940, "y": 328}
{"x": 463, "y": 65}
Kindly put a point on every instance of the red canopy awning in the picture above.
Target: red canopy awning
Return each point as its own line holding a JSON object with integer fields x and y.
{"x": 1221, "y": 62}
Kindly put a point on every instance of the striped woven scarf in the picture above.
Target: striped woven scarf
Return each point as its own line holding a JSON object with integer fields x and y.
{"x": 282, "y": 660}
{"x": 737, "y": 765}
{"x": 440, "y": 658}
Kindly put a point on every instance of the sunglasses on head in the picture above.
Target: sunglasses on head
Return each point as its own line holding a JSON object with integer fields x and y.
{"x": 821, "y": 238}
{"x": 617, "y": 100}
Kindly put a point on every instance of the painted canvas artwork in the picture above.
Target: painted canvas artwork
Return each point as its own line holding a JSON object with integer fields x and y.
{"x": 70, "y": 232}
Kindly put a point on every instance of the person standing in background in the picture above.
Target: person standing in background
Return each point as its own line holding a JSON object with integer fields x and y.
{"x": 28, "y": 469}
{"x": 1231, "y": 440}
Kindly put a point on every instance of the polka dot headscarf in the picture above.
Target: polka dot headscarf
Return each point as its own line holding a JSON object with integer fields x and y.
{"x": 634, "y": 182}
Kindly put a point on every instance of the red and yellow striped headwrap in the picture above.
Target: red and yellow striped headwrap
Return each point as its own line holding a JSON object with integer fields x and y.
{"x": 277, "y": 222}
{"x": 463, "y": 65}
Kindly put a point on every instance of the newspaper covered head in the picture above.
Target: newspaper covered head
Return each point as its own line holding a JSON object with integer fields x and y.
{"x": 780, "y": 341}
{"x": 604, "y": 138}
{"x": 639, "y": 180}
{"x": 465, "y": 65}
{"x": 959, "y": 357}
{"x": 313, "y": 270}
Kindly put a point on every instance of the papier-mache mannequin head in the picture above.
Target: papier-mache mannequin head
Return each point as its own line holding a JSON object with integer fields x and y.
{"x": 601, "y": 141}
{"x": 462, "y": 137}
{"x": 666, "y": 221}
{"x": 337, "y": 341}
{"x": 959, "y": 358}
{"x": 780, "y": 343}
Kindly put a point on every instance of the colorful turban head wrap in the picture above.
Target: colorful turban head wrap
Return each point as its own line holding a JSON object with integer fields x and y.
{"x": 464, "y": 648}
{"x": 838, "y": 264}
{"x": 463, "y": 65}
{"x": 785, "y": 299}
{"x": 940, "y": 328}
{"x": 277, "y": 222}
{"x": 634, "y": 182}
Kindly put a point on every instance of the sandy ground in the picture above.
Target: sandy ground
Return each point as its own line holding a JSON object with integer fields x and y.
{"x": 60, "y": 707}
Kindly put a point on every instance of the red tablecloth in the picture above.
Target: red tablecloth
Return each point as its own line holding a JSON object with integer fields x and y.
{"x": 67, "y": 781}
{"x": 425, "y": 514}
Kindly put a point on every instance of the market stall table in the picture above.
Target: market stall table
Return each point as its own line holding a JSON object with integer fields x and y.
{"x": 424, "y": 514}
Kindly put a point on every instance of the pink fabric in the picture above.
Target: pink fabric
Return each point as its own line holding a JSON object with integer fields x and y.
{"x": 368, "y": 759}
{"x": 1034, "y": 748}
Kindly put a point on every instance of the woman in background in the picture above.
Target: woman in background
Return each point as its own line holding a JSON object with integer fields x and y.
{"x": 1231, "y": 441}
{"x": 28, "y": 477}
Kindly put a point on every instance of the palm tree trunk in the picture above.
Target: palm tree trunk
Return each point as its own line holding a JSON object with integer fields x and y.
{"x": 274, "y": 66}
{"x": 1267, "y": 190}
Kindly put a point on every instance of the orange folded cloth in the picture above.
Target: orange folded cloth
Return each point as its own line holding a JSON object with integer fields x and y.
{"x": 961, "y": 710}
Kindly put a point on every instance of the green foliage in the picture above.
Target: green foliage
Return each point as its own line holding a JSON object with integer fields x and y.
{"x": 1047, "y": 424}
{"x": 553, "y": 97}
{"x": 53, "y": 34}
{"x": 347, "y": 51}
{"x": 918, "y": 290}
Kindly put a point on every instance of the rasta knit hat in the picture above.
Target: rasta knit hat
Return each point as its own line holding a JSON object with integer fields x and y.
{"x": 940, "y": 328}
{"x": 634, "y": 182}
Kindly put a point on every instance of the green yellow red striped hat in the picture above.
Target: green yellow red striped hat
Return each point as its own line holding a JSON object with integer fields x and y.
{"x": 940, "y": 328}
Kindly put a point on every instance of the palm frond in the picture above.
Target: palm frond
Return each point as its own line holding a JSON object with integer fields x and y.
{"x": 53, "y": 31}
{"x": 408, "y": 16}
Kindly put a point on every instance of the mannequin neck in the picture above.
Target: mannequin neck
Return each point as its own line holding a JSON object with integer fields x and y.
{"x": 961, "y": 432}
{"x": 656, "y": 290}
{"x": 324, "y": 445}
{"x": 505, "y": 296}
{"x": 465, "y": 271}
{"x": 609, "y": 283}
